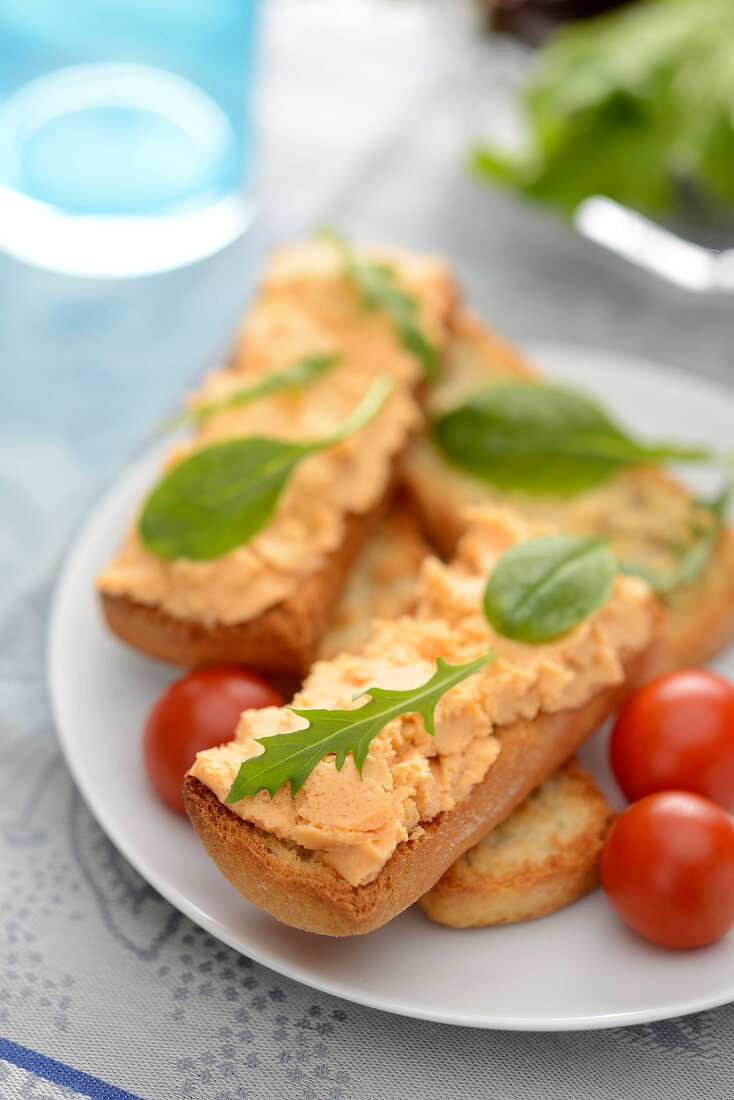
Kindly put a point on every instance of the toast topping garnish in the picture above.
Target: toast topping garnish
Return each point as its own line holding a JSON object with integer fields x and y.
{"x": 220, "y": 496}
{"x": 408, "y": 776}
{"x": 291, "y": 757}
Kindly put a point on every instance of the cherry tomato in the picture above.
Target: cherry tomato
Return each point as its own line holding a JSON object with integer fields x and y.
{"x": 677, "y": 733}
{"x": 667, "y": 867}
{"x": 194, "y": 713}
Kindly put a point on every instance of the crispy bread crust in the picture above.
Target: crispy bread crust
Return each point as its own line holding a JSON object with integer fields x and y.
{"x": 297, "y": 888}
{"x": 490, "y": 891}
{"x": 282, "y": 641}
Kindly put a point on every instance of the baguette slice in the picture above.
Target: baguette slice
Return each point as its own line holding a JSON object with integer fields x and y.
{"x": 541, "y": 858}
{"x": 642, "y": 511}
{"x": 346, "y": 890}
{"x": 293, "y": 885}
{"x": 267, "y": 604}
{"x": 545, "y": 855}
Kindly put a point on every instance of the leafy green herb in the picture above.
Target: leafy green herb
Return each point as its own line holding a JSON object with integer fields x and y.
{"x": 542, "y": 439}
{"x": 295, "y": 377}
{"x": 545, "y": 586}
{"x": 692, "y": 559}
{"x": 220, "y": 496}
{"x": 291, "y": 757}
{"x": 378, "y": 288}
{"x": 636, "y": 105}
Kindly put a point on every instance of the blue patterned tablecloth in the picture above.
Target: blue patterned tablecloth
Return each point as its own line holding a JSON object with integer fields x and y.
{"x": 105, "y": 990}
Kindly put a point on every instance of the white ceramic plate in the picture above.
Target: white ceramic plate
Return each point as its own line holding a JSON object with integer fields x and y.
{"x": 580, "y": 968}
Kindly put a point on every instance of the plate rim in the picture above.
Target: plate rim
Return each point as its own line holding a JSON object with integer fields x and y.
{"x": 601, "y": 359}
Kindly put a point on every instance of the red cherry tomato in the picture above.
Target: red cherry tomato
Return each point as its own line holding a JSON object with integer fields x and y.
{"x": 667, "y": 867}
{"x": 677, "y": 733}
{"x": 194, "y": 713}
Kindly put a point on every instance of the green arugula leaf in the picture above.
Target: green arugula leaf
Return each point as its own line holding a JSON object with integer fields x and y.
{"x": 692, "y": 559}
{"x": 220, "y": 496}
{"x": 541, "y": 588}
{"x": 291, "y": 757}
{"x": 379, "y": 289}
{"x": 635, "y": 105}
{"x": 543, "y": 439}
{"x": 295, "y": 377}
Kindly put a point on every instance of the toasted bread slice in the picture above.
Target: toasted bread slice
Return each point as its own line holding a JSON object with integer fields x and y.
{"x": 643, "y": 511}
{"x": 273, "y": 852}
{"x": 294, "y": 885}
{"x": 541, "y": 858}
{"x": 266, "y": 604}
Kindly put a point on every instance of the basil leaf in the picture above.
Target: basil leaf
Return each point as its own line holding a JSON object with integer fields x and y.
{"x": 378, "y": 288}
{"x": 542, "y": 439}
{"x": 291, "y": 757}
{"x": 694, "y": 558}
{"x": 220, "y": 496}
{"x": 297, "y": 376}
{"x": 545, "y": 586}
{"x": 217, "y": 498}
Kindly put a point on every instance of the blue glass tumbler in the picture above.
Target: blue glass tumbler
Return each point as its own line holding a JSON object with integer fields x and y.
{"x": 125, "y": 131}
